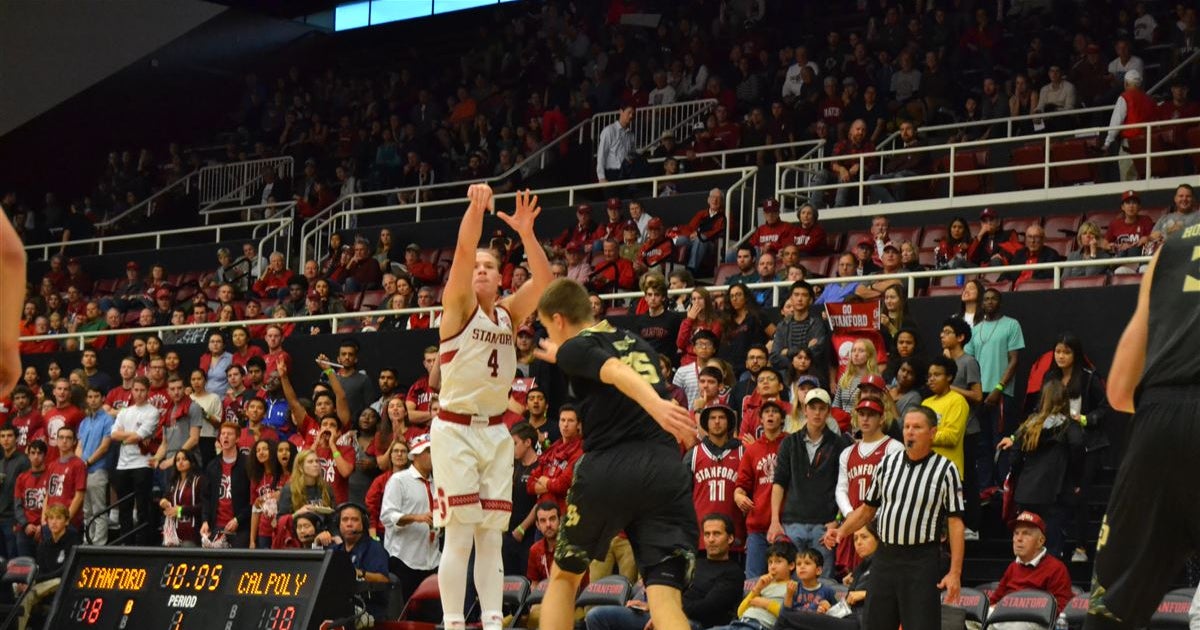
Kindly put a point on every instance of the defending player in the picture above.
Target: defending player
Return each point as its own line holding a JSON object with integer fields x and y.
{"x": 472, "y": 451}
{"x": 629, "y": 477}
{"x": 1152, "y": 523}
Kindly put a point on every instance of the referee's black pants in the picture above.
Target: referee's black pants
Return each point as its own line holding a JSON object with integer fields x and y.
{"x": 904, "y": 588}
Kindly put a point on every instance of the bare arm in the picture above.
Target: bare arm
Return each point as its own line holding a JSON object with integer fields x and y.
{"x": 952, "y": 581}
{"x": 458, "y": 298}
{"x": 341, "y": 404}
{"x": 524, "y": 301}
{"x": 1130, "y": 358}
{"x": 12, "y": 293}
{"x": 289, "y": 394}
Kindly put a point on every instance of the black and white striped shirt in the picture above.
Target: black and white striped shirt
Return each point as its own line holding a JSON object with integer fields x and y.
{"x": 914, "y": 497}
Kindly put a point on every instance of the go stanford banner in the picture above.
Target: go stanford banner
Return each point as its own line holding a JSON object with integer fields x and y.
{"x": 851, "y": 321}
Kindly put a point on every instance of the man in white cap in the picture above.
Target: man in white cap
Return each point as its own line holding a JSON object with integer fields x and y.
{"x": 407, "y": 516}
{"x": 1133, "y": 107}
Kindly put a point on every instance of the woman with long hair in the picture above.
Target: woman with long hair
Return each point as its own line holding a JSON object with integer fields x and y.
{"x": 186, "y": 499}
{"x": 863, "y": 361}
{"x": 266, "y": 479}
{"x": 894, "y": 317}
{"x": 397, "y": 460}
{"x": 906, "y": 393}
{"x": 970, "y": 308}
{"x": 808, "y": 233}
{"x": 866, "y": 543}
{"x": 1046, "y": 463}
{"x": 243, "y": 350}
{"x": 366, "y": 467}
{"x": 307, "y": 491}
{"x": 1088, "y": 407}
{"x": 744, "y": 326}
{"x": 285, "y": 454}
{"x": 951, "y": 252}
{"x": 701, "y": 315}
{"x": 906, "y": 345}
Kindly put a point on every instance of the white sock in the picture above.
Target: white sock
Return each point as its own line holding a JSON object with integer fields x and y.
{"x": 452, "y": 574}
{"x": 489, "y": 576}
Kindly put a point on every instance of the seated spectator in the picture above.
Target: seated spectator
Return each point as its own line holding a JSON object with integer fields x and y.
{"x": 951, "y": 252}
{"x": 1088, "y": 248}
{"x": 361, "y": 272}
{"x": 1033, "y": 252}
{"x": 873, "y": 290}
{"x": 425, "y": 273}
{"x": 41, "y": 326}
{"x": 78, "y": 278}
{"x": 1128, "y": 234}
{"x": 772, "y": 593}
{"x": 630, "y": 247}
{"x": 703, "y": 233}
{"x": 613, "y": 273}
{"x": 638, "y": 214}
{"x": 578, "y": 269}
{"x": 1057, "y": 95}
{"x": 612, "y": 228}
{"x": 702, "y": 314}
{"x": 54, "y": 547}
{"x": 579, "y": 234}
{"x": 772, "y": 234}
{"x": 274, "y": 278}
{"x": 1124, "y": 62}
{"x": 367, "y": 555}
{"x": 1034, "y": 568}
{"x": 426, "y": 298}
{"x": 993, "y": 245}
{"x": 847, "y": 171}
{"x": 901, "y": 165}
{"x": 808, "y": 235}
{"x": 129, "y": 293}
{"x": 710, "y": 600}
{"x": 744, "y": 259}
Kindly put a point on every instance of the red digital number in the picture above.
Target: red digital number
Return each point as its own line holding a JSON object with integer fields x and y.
{"x": 93, "y": 612}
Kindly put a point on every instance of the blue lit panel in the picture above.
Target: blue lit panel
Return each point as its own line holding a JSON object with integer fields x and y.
{"x": 383, "y": 11}
{"x": 446, "y": 6}
{"x": 356, "y": 15}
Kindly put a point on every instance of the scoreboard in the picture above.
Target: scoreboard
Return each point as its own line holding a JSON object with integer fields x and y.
{"x": 159, "y": 588}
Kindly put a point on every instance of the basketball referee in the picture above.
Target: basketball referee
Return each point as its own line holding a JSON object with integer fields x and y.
{"x": 912, "y": 493}
{"x": 1152, "y": 522}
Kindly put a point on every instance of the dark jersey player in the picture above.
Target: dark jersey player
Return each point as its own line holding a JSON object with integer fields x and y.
{"x": 1152, "y": 523}
{"x": 629, "y": 478}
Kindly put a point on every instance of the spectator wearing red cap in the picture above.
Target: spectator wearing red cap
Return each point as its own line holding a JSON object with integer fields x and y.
{"x": 1130, "y": 232}
{"x": 612, "y": 273}
{"x": 803, "y": 495}
{"x": 610, "y": 229}
{"x": 772, "y": 234}
{"x": 77, "y": 277}
{"x": 581, "y": 233}
{"x": 1034, "y": 567}
{"x": 856, "y": 467}
{"x": 992, "y": 245}
{"x": 704, "y": 232}
{"x": 130, "y": 292}
{"x": 578, "y": 268}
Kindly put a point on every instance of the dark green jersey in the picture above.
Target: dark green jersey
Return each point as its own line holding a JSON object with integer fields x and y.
{"x": 1173, "y": 347}
{"x": 609, "y": 417}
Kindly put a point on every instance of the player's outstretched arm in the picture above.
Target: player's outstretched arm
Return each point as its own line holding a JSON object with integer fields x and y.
{"x": 458, "y": 298}
{"x": 12, "y": 295}
{"x": 671, "y": 417}
{"x": 1130, "y": 357}
{"x": 521, "y": 304}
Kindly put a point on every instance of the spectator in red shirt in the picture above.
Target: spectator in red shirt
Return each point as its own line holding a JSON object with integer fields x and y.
{"x": 41, "y": 326}
{"x": 849, "y": 170}
{"x": 704, "y": 232}
{"x": 1130, "y": 232}
{"x": 275, "y": 352}
{"x": 714, "y": 90}
{"x": 1034, "y": 251}
{"x": 1034, "y": 568}
{"x": 64, "y": 413}
{"x": 29, "y": 496}
{"x": 611, "y": 229}
{"x": 363, "y": 272}
{"x": 421, "y": 271}
{"x": 727, "y": 134}
{"x": 808, "y": 235}
{"x": 56, "y": 274}
{"x": 772, "y": 234}
{"x": 421, "y": 394}
{"x": 756, "y": 474}
{"x": 613, "y": 273}
{"x": 78, "y": 278}
{"x": 581, "y": 233}
{"x": 25, "y": 419}
{"x": 656, "y": 250}
{"x": 66, "y": 478}
{"x": 541, "y": 554}
{"x": 274, "y": 280}
{"x": 552, "y": 476}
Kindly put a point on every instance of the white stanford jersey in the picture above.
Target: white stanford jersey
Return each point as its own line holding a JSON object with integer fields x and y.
{"x": 478, "y": 365}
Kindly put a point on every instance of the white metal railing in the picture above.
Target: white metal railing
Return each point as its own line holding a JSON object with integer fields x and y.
{"x": 722, "y": 157}
{"x": 533, "y": 163}
{"x": 224, "y": 182}
{"x": 1010, "y": 125}
{"x": 314, "y": 237}
{"x": 268, "y": 210}
{"x": 217, "y": 233}
{"x": 778, "y": 293}
{"x": 1145, "y": 158}
{"x": 649, "y": 123}
{"x": 150, "y": 204}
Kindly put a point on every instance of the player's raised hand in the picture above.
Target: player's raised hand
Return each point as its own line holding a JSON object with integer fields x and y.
{"x": 521, "y": 220}
{"x": 480, "y": 196}
{"x": 675, "y": 420}
{"x": 546, "y": 351}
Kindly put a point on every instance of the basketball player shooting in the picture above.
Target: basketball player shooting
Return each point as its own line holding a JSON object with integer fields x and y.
{"x": 470, "y": 445}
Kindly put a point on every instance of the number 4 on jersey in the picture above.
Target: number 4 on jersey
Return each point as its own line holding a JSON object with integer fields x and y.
{"x": 494, "y": 363}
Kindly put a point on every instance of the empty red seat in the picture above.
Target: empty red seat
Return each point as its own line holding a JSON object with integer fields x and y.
{"x": 902, "y": 234}
{"x": 1033, "y": 155}
{"x": 1159, "y": 166}
{"x": 1193, "y": 141}
{"x": 1019, "y": 224}
{"x": 1071, "y": 174}
{"x": 371, "y": 299}
{"x": 835, "y": 240}
{"x": 724, "y": 271}
{"x": 853, "y": 238}
{"x": 616, "y": 311}
{"x": 931, "y": 236}
{"x": 352, "y": 300}
{"x": 1126, "y": 278}
{"x": 944, "y": 290}
{"x": 1060, "y": 245}
{"x": 1035, "y": 285}
{"x": 1062, "y": 226}
{"x": 818, "y": 265}
{"x": 927, "y": 257}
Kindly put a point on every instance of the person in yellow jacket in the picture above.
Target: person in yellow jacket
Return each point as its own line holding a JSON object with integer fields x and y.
{"x": 952, "y": 410}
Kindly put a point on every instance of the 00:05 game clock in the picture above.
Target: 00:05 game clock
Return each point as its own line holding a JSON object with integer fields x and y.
{"x": 156, "y": 588}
